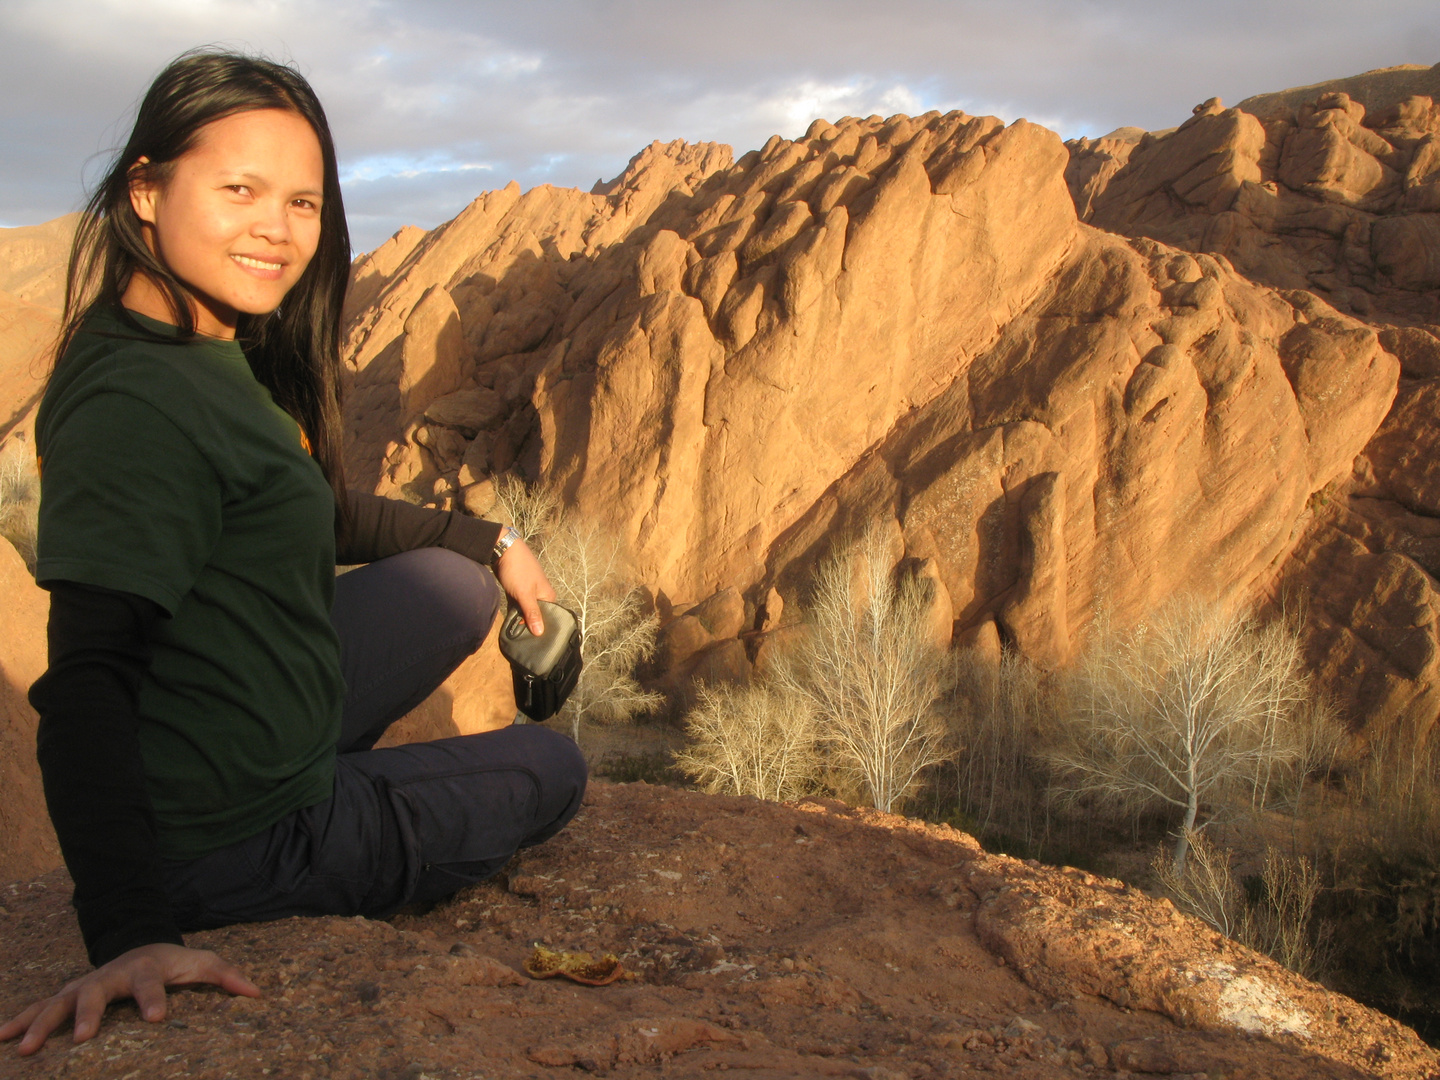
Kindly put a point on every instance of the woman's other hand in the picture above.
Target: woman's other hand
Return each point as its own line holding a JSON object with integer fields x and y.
{"x": 519, "y": 574}
{"x": 141, "y": 974}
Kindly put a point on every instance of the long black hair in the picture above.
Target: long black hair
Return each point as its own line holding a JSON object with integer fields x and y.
{"x": 294, "y": 351}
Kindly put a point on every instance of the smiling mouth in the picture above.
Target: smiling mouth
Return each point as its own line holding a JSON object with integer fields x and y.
{"x": 258, "y": 264}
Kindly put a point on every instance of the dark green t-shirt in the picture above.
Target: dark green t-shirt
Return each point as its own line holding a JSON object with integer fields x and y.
{"x": 168, "y": 471}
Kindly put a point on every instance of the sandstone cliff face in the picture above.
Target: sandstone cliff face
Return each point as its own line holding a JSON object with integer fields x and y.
{"x": 33, "y": 259}
{"x": 27, "y": 336}
{"x": 32, "y": 292}
{"x": 1319, "y": 193}
{"x": 465, "y": 308}
{"x": 27, "y": 842}
{"x": 1333, "y": 189}
{"x": 898, "y": 320}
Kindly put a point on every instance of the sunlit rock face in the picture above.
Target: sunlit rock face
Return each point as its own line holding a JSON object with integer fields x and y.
{"x": 1332, "y": 191}
{"x": 899, "y": 321}
{"x": 27, "y": 842}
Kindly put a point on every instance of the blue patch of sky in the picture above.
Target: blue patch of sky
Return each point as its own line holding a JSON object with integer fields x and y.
{"x": 406, "y": 166}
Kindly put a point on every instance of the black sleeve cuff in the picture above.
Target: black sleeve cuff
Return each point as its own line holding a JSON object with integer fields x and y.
{"x": 144, "y": 928}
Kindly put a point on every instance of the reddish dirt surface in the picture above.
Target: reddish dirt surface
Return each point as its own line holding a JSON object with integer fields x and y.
{"x": 784, "y": 941}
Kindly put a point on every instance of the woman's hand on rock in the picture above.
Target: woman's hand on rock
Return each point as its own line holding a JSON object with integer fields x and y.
{"x": 524, "y": 582}
{"x": 142, "y": 974}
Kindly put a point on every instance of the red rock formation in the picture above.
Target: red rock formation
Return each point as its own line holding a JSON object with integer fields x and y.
{"x": 1332, "y": 189}
{"x": 33, "y": 260}
{"x": 895, "y": 320}
{"x": 27, "y": 842}
{"x": 32, "y": 291}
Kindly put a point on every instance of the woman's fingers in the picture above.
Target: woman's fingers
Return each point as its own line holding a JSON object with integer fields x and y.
{"x": 52, "y": 1014}
{"x": 142, "y": 974}
{"x": 531, "y": 610}
{"x": 91, "y": 998}
{"x": 12, "y": 1028}
{"x": 149, "y": 993}
{"x": 16, "y": 1025}
{"x": 522, "y": 578}
{"x": 228, "y": 977}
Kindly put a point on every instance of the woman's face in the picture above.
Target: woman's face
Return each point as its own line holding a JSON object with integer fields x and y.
{"x": 238, "y": 219}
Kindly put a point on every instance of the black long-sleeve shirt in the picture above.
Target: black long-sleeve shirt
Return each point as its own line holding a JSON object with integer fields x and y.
{"x": 88, "y": 743}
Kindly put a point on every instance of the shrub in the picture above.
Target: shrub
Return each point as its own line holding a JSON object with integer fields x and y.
{"x": 1001, "y": 714}
{"x": 872, "y": 671}
{"x": 1204, "y": 886}
{"x": 531, "y": 508}
{"x": 1381, "y": 863}
{"x": 1275, "y": 918}
{"x": 19, "y": 500}
{"x": 751, "y": 740}
{"x": 1195, "y": 708}
{"x": 584, "y": 565}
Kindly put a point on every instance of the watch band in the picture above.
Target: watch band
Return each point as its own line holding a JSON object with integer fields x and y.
{"x": 508, "y": 537}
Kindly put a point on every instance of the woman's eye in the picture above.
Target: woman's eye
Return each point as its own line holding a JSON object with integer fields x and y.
{"x": 305, "y": 204}
{"x": 238, "y": 189}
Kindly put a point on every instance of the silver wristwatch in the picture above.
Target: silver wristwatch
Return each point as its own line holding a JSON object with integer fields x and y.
{"x": 508, "y": 537}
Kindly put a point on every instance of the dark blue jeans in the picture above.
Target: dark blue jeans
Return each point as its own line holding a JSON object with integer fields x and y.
{"x": 406, "y": 824}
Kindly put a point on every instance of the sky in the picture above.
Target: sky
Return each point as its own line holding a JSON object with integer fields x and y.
{"x": 434, "y": 101}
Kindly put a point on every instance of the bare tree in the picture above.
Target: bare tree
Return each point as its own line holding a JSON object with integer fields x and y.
{"x": 531, "y": 508}
{"x": 873, "y": 671}
{"x": 1194, "y": 708}
{"x": 586, "y": 565}
{"x": 752, "y": 740}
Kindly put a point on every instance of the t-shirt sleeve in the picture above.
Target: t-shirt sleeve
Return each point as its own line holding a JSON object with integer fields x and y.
{"x": 127, "y": 502}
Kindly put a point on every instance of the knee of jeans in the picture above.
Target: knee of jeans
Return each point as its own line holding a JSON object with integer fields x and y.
{"x": 465, "y": 595}
{"x": 563, "y": 775}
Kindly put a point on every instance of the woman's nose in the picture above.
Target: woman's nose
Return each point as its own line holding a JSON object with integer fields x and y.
{"x": 271, "y": 223}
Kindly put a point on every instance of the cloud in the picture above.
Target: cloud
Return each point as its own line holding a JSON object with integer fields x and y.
{"x": 433, "y": 101}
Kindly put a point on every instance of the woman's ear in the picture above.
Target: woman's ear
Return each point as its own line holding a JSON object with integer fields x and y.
{"x": 144, "y": 193}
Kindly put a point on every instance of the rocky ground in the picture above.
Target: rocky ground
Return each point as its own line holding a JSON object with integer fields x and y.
{"x": 781, "y": 940}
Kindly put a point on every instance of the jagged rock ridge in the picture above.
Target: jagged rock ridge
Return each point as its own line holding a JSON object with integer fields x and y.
{"x": 896, "y": 320}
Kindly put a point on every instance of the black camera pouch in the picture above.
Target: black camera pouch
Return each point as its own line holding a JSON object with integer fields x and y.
{"x": 544, "y": 669}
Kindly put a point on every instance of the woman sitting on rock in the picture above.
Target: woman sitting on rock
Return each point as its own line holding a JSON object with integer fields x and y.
{"x": 214, "y": 690}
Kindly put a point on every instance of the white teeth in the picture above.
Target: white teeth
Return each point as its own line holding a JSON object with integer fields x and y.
{"x": 246, "y": 260}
